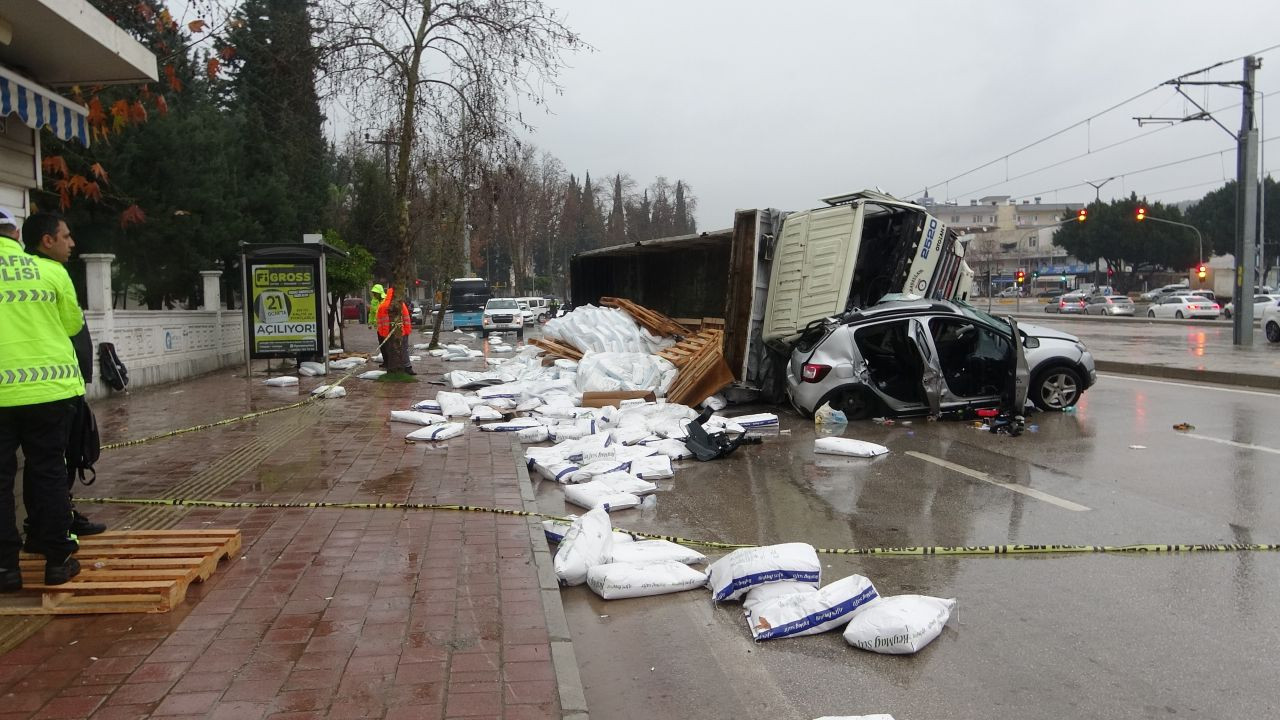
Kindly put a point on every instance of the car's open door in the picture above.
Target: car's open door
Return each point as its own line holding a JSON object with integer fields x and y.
{"x": 931, "y": 376}
{"x": 1014, "y": 397}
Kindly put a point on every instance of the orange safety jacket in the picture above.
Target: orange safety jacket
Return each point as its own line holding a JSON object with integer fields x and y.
{"x": 384, "y": 316}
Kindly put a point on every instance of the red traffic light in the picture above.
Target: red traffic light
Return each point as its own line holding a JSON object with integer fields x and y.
{"x": 1202, "y": 271}
{"x": 1141, "y": 213}
{"x": 1021, "y": 276}
{"x": 1081, "y": 215}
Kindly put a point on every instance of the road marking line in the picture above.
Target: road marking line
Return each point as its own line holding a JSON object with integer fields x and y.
{"x": 979, "y": 475}
{"x": 1188, "y": 385}
{"x": 1233, "y": 443}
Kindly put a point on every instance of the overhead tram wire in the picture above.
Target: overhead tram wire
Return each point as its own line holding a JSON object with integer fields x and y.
{"x": 1218, "y": 181}
{"x": 1005, "y": 157}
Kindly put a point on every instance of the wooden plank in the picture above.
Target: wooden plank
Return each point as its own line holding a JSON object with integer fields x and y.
{"x": 651, "y": 320}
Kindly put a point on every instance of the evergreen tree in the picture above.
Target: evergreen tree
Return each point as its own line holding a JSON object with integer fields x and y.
{"x": 593, "y": 230}
{"x": 615, "y": 230}
{"x": 570, "y": 222}
{"x": 662, "y": 218}
{"x": 682, "y": 224}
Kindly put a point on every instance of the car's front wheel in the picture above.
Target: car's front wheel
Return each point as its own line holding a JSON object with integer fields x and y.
{"x": 1056, "y": 388}
{"x": 1151, "y": 313}
{"x": 1273, "y": 332}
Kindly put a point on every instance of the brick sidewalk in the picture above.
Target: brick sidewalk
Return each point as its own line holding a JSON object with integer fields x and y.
{"x": 328, "y": 613}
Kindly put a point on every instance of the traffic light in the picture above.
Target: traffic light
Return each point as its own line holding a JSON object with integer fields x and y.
{"x": 1141, "y": 213}
{"x": 1082, "y": 214}
{"x": 1021, "y": 276}
{"x": 1035, "y": 274}
{"x": 1110, "y": 272}
{"x": 1202, "y": 271}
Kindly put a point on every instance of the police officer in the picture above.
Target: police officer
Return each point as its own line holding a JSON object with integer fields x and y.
{"x": 40, "y": 385}
{"x": 41, "y": 234}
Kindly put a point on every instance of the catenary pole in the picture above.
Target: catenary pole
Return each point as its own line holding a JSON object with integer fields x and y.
{"x": 1246, "y": 213}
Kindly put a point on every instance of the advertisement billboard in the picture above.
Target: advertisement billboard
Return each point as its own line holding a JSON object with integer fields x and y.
{"x": 284, "y": 307}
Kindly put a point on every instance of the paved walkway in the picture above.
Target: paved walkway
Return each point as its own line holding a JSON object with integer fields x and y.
{"x": 327, "y": 613}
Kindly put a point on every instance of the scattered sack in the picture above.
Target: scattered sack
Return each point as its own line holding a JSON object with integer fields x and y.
{"x": 588, "y": 543}
{"x": 597, "y": 495}
{"x": 810, "y": 613}
{"x": 649, "y": 551}
{"x": 312, "y": 368}
{"x": 625, "y": 482}
{"x": 533, "y": 434}
{"x": 848, "y": 447}
{"x": 512, "y": 425}
{"x": 371, "y": 374}
{"x": 674, "y": 449}
{"x": 734, "y": 574}
{"x": 899, "y": 625}
{"x": 654, "y": 467}
{"x": 453, "y": 404}
{"x": 330, "y": 392}
{"x": 427, "y": 406}
{"x": 756, "y": 421}
{"x": 554, "y": 530}
{"x": 772, "y": 591}
{"x": 417, "y": 417}
{"x": 281, "y": 381}
{"x": 715, "y": 402}
{"x": 484, "y": 412}
{"x": 615, "y": 581}
{"x": 437, "y": 432}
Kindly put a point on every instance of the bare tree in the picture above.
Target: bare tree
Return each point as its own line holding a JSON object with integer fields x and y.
{"x": 418, "y": 64}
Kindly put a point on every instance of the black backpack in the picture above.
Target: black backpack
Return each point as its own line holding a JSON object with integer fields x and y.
{"x": 84, "y": 447}
{"x": 113, "y": 370}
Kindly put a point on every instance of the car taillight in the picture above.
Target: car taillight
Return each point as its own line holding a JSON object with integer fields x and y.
{"x": 813, "y": 372}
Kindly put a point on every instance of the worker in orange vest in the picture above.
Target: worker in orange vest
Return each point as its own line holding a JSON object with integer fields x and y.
{"x": 386, "y": 327}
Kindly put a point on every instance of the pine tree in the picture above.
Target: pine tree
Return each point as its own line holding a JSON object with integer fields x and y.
{"x": 570, "y": 223}
{"x": 682, "y": 213}
{"x": 616, "y": 231}
{"x": 593, "y": 230}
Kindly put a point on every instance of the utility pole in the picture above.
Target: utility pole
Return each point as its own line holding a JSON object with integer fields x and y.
{"x": 1097, "y": 199}
{"x": 1246, "y": 213}
{"x": 1246, "y": 249}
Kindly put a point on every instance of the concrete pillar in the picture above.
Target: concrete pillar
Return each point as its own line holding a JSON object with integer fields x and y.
{"x": 212, "y": 289}
{"x": 98, "y": 280}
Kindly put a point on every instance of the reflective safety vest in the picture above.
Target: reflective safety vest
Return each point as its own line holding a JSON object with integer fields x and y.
{"x": 38, "y": 316}
{"x": 384, "y": 316}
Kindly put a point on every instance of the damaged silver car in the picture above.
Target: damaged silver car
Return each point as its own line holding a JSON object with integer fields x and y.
{"x": 924, "y": 357}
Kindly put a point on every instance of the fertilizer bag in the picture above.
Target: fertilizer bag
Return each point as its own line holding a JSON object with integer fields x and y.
{"x": 898, "y": 625}
{"x": 848, "y": 446}
{"x": 650, "y": 551}
{"x": 810, "y": 613}
{"x": 588, "y": 543}
{"x": 443, "y": 431}
{"x": 734, "y": 574}
{"x": 615, "y": 581}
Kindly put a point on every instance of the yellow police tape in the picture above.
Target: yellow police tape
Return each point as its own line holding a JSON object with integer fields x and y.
{"x": 918, "y": 551}
{"x": 238, "y": 418}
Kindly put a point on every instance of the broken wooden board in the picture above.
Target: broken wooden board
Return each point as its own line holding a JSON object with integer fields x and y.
{"x": 557, "y": 348}
{"x": 688, "y": 349}
{"x": 652, "y": 320}
{"x": 124, "y": 572}
{"x": 700, "y": 379}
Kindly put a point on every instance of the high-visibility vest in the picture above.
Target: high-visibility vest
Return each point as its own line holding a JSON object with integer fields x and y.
{"x": 384, "y": 316}
{"x": 38, "y": 316}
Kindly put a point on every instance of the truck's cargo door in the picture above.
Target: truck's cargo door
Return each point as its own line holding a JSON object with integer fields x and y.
{"x": 812, "y": 268}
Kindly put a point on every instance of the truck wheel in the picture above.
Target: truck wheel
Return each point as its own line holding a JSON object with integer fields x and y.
{"x": 1055, "y": 388}
{"x": 1273, "y": 332}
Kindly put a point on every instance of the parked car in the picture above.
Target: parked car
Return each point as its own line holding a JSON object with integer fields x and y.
{"x": 538, "y": 307}
{"x": 416, "y": 313}
{"x": 526, "y": 312}
{"x": 1049, "y": 294}
{"x": 1153, "y": 295}
{"x": 1109, "y": 305}
{"x": 921, "y": 357}
{"x": 1183, "y": 306}
{"x": 1010, "y": 292}
{"x": 1206, "y": 294}
{"x": 1271, "y": 322}
{"x": 353, "y": 309}
{"x": 1069, "y": 304}
{"x": 1260, "y": 303}
{"x": 502, "y": 315}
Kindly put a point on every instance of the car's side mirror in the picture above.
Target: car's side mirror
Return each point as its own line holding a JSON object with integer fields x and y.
{"x": 1029, "y": 342}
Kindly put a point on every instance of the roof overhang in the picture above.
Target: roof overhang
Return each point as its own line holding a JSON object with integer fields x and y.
{"x": 68, "y": 42}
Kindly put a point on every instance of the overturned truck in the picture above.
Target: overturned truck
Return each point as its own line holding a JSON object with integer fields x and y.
{"x": 773, "y": 273}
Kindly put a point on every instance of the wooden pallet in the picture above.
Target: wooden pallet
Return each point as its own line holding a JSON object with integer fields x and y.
{"x": 690, "y": 348}
{"x": 124, "y": 572}
{"x": 652, "y": 320}
{"x": 557, "y": 348}
{"x": 703, "y": 370}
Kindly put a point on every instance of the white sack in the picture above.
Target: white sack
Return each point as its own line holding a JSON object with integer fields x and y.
{"x": 427, "y": 406}
{"x": 533, "y": 434}
{"x": 772, "y": 591}
{"x": 437, "y": 432}
{"x": 654, "y": 467}
{"x": 674, "y": 449}
{"x": 588, "y": 543}
{"x": 630, "y": 435}
{"x": 588, "y": 472}
{"x": 899, "y": 625}
{"x": 624, "y": 482}
{"x": 453, "y": 404}
{"x": 615, "y": 581}
{"x": 512, "y": 425}
{"x": 555, "y": 470}
{"x": 484, "y": 412}
{"x": 848, "y": 446}
{"x": 330, "y": 392}
{"x": 417, "y": 417}
{"x": 597, "y": 495}
{"x": 810, "y": 613}
{"x": 315, "y": 368}
{"x": 281, "y": 381}
{"x": 555, "y": 530}
{"x": 739, "y": 571}
{"x": 647, "y": 551}
{"x": 758, "y": 420}
{"x": 371, "y": 374}
{"x": 715, "y": 402}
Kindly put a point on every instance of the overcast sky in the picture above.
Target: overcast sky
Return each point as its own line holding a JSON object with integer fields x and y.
{"x": 770, "y": 104}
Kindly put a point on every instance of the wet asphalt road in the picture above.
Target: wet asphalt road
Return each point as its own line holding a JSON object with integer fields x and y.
{"x": 1067, "y": 636}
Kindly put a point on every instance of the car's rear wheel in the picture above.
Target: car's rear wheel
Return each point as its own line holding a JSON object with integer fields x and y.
{"x": 856, "y": 403}
{"x": 1226, "y": 312}
{"x": 1273, "y": 332}
{"x": 1151, "y": 313}
{"x": 1178, "y": 314}
{"x": 1056, "y": 388}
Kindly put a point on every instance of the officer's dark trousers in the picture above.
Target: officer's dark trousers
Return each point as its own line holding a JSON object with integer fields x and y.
{"x": 41, "y": 431}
